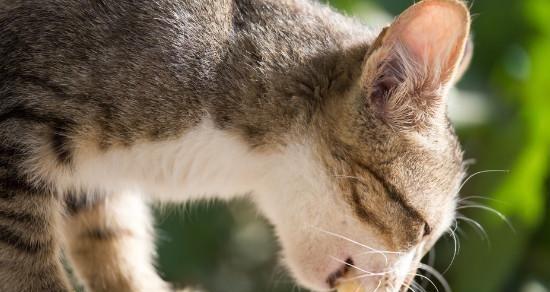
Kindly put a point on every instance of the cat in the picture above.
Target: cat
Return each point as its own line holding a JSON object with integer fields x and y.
{"x": 337, "y": 132}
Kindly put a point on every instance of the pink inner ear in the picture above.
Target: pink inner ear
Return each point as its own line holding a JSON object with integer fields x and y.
{"x": 434, "y": 33}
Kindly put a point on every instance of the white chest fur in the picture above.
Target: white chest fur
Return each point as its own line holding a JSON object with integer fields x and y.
{"x": 204, "y": 162}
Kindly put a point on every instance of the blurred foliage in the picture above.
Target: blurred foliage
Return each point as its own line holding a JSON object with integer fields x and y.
{"x": 229, "y": 248}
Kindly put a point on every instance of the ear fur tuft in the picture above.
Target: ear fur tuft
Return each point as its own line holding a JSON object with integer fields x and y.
{"x": 413, "y": 62}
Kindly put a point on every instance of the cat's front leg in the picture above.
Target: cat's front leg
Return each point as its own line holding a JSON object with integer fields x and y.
{"x": 109, "y": 241}
{"x": 29, "y": 241}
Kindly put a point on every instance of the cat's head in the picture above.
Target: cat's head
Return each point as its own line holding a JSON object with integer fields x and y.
{"x": 374, "y": 185}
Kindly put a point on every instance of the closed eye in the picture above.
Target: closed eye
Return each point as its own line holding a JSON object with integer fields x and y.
{"x": 392, "y": 192}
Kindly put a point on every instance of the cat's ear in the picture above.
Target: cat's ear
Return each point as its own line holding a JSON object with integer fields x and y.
{"x": 465, "y": 61}
{"x": 414, "y": 60}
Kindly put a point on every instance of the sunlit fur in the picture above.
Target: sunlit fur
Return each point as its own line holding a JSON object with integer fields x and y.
{"x": 338, "y": 133}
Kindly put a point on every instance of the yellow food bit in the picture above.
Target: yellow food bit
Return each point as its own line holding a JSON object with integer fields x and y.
{"x": 351, "y": 286}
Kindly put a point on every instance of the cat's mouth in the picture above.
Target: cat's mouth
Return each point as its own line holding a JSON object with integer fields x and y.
{"x": 336, "y": 276}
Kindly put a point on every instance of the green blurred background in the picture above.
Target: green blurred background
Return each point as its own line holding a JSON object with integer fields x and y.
{"x": 502, "y": 113}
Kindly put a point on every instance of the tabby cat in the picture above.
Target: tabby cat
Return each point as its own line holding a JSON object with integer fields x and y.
{"x": 337, "y": 132}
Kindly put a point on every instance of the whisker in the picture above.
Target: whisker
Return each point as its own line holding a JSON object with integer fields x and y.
{"x": 456, "y": 250}
{"x": 486, "y": 208}
{"x": 380, "y": 282}
{"x": 371, "y": 252}
{"x": 425, "y": 278}
{"x": 383, "y": 253}
{"x": 417, "y": 286}
{"x": 372, "y": 249}
{"x": 463, "y": 199}
{"x": 477, "y": 226}
{"x": 367, "y": 275}
{"x": 480, "y": 172}
{"x": 345, "y": 238}
{"x": 378, "y": 286}
{"x": 437, "y": 275}
{"x": 431, "y": 257}
{"x": 351, "y": 265}
{"x": 459, "y": 230}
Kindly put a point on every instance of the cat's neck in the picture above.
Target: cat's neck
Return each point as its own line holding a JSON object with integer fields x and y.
{"x": 263, "y": 89}
{"x": 278, "y": 73}
{"x": 204, "y": 163}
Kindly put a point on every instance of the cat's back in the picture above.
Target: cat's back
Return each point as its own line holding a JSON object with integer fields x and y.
{"x": 165, "y": 58}
{"x": 128, "y": 66}
{"x": 89, "y": 26}
{"x": 42, "y": 34}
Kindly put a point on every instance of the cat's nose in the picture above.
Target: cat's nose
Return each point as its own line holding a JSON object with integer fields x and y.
{"x": 334, "y": 277}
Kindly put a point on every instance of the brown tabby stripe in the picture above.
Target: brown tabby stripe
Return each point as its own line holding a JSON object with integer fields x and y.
{"x": 76, "y": 203}
{"x": 10, "y": 152}
{"x": 12, "y": 185}
{"x": 366, "y": 214}
{"x": 393, "y": 193}
{"x": 11, "y": 238}
{"x": 10, "y": 155}
{"x": 61, "y": 127}
{"x": 19, "y": 217}
{"x": 57, "y": 90}
{"x": 339, "y": 152}
{"x": 23, "y": 113}
{"x": 61, "y": 143}
{"x": 102, "y": 234}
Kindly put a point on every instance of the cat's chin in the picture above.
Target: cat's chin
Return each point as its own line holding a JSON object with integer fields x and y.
{"x": 317, "y": 269}
{"x": 310, "y": 271}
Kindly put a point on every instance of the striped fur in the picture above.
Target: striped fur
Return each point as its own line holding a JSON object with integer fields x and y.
{"x": 110, "y": 243}
{"x": 330, "y": 127}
